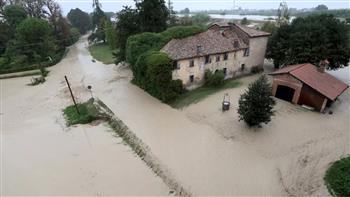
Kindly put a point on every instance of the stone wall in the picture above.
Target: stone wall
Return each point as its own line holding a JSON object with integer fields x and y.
{"x": 233, "y": 64}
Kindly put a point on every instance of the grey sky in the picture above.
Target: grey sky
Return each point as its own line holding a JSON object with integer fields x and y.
{"x": 116, "y": 5}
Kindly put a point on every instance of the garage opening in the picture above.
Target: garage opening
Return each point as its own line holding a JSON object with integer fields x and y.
{"x": 284, "y": 92}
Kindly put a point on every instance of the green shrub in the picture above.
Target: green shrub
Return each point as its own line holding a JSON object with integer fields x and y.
{"x": 73, "y": 37}
{"x": 153, "y": 73}
{"x": 19, "y": 61}
{"x": 3, "y": 63}
{"x": 338, "y": 178}
{"x": 87, "y": 110}
{"x": 141, "y": 43}
{"x": 214, "y": 79}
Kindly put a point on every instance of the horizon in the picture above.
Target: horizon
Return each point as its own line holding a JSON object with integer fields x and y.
{"x": 201, "y": 5}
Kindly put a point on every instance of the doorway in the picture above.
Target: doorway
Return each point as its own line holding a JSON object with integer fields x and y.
{"x": 285, "y": 93}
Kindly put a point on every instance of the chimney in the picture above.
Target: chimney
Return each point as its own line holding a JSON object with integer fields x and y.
{"x": 322, "y": 65}
{"x": 199, "y": 49}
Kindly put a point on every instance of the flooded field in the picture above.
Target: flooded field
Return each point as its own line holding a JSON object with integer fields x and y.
{"x": 208, "y": 151}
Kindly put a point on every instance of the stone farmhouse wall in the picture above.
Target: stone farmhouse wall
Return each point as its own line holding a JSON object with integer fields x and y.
{"x": 233, "y": 64}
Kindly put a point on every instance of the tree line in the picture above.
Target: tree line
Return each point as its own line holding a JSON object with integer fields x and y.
{"x": 33, "y": 32}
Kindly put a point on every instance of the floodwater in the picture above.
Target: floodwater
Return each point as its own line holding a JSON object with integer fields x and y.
{"x": 207, "y": 151}
{"x": 238, "y": 17}
{"x": 41, "y": 156}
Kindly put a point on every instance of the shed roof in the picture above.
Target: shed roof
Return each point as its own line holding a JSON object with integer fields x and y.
{"x": 322, "y": 82}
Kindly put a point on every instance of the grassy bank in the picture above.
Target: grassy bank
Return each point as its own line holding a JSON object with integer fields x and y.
{"x": 102, "y": 52}
{"x": 87, "y": 113}
{"x": 338, "y": 178}
{"x": 201, "y": 93}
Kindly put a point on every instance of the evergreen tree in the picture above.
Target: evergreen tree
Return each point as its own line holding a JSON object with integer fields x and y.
{"x": 153, "y": 15}
{"x": 256, "y": 104}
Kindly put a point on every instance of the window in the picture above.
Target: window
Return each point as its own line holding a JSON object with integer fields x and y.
{"x": 242, "y": 67}
{"x": 176, "y": 65}
{"x": 191, "y": 63}
{"x": 191, "y": 78}
{"x": 225, "y": 56}
{"x": 218, "y": 58}
{"x": 207, "y": 59}
{"x": 246, "y": 52}
{"x": 225, "y": 71}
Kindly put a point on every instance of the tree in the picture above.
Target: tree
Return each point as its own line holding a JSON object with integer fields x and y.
{"x": 321, "y": 7}
{"x": 60, "y": 25}
{"x": 172, "y": 15}
{"x": 99, "y": 19}
{"x": 185, "y": 11}
{"x": 153, "y": 15}
{"x": 126, "y": 25}
{"x": 256, "y": 104}
{"x": 110, "y": 35}
{"x": 245, "y": 21}
{"x": 311, "y": 39}
{"x": 269, "y": 27}
{"x": 4, "y": 36}
{"x": 33, "y": 39}
{"x": 283, "y": 14}
{"x": 14, "y": 15}
{"x": 34, "y": 8}
{"x": 200, "y": 18}
{"x": 80, "y": 20}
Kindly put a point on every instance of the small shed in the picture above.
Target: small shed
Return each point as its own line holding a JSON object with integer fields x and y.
{"x": 305, "y": 84}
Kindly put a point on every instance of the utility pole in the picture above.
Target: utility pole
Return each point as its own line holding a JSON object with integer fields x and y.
{"x": 71, "y": 93}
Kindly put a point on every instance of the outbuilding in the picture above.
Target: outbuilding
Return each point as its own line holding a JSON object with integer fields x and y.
{"x": 308, "y": 85}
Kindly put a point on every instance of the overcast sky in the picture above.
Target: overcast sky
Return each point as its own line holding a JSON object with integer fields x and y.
{"x": 116, "y": 5}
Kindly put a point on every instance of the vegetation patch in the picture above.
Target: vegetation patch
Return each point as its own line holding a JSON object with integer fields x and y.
{"x": 102, "y": 52}
{"x": 338, "y": 178}
{"x": 201, "y": 93}
{"x": 87, "y": 113}
{"x": 144, "y": 42}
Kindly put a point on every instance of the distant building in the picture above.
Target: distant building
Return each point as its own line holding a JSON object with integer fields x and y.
{"x": 230, "y": 47}
{"x": 305, "y": 84}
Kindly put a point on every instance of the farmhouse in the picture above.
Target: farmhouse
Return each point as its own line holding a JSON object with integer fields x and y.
{"x": 230, "y": 47}
{"x": 305, "y": 84}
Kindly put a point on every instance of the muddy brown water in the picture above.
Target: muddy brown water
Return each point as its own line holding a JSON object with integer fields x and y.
{"x": 208, "y": 151}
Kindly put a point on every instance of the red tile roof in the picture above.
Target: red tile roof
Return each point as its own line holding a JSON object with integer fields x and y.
{"x": 322, "y": 82}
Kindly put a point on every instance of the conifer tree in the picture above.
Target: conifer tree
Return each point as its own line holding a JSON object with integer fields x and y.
{"x": 256, "y": 104}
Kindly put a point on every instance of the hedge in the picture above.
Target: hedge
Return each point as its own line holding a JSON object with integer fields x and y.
{"x": 153, "y": 72}
{"x": 55, "y": 59}
{"x": 152, "y": 69}
{"x": 141, "y": 43}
